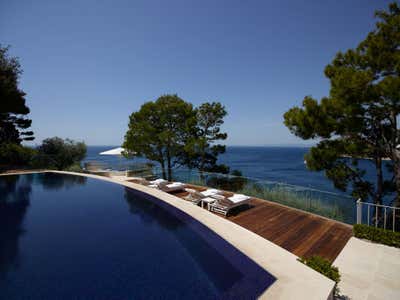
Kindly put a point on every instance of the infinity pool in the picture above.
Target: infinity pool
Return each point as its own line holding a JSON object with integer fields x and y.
{"x": 72, "y": 237}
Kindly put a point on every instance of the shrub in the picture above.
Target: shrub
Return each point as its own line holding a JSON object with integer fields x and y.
{"x": 378, "y": 235}
{"x": 231, "y": 183}
{"x": 322, "y": 266}
{"x": 76, "y": 167}
{"x": 56, "y": 153}
{"x": 15, "y": 155}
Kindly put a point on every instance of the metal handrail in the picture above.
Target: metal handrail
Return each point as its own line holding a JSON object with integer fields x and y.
{"x": 380, "y": 205}
{"x": 393, "y": 209}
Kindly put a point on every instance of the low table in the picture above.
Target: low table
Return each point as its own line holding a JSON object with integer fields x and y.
{"x": 207, "y": 200}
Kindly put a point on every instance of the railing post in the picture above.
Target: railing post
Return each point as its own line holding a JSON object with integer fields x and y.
{"x": 359, "y": 211}
{"x": 384, "y": 218}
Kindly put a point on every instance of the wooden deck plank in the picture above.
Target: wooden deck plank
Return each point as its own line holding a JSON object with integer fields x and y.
{"x": 302, "y": 233}
{"x": 320, "y": 230}
{"x": 299, "y": 232}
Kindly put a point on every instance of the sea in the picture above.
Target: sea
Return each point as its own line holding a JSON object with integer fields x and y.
{"x": 276, "y": 164}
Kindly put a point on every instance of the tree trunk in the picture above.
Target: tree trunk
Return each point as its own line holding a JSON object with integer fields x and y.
{"x": 169, "y": 168}
{"x": 201, "y": 167}
{"x": 379, "y": 181}
{"x": 164, "y": 174}
{"x": 379, "y": 189}
{"x": 169, "y": 165}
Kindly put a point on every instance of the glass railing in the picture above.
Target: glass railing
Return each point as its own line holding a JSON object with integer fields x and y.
{"x": 331, "y": 205}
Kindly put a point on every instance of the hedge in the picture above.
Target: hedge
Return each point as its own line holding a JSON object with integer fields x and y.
{"x": 379, "y": 235}
{"x": 322, "y": 266}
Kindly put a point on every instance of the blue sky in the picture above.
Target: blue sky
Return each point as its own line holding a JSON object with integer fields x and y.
{"x": 89, "y": 64}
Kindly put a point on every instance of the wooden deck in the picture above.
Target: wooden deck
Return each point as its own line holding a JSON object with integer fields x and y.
{"x": 302, "y": 233}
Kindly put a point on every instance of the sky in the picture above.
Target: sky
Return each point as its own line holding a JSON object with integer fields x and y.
{"x": 89, "y": 64}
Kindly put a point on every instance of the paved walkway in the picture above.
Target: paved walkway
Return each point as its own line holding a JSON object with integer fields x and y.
{"x": 369, "y": 271}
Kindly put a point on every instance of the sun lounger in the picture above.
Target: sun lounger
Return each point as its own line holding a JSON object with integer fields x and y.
{"x": 210, "y": 192}
{"x": 172, "y": 187}
{"x": 208, "y": 201}
{"x": 158, "y": 181}
{"x": 193, "y": 196}
{"x": 154, "y": 183}
{"x": 196, "y": 196}
{"x": 238, "y": 198}
{"x": 223, "y": 205}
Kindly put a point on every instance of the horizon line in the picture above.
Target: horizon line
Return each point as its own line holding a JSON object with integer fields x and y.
{"x": 235, "y": 145}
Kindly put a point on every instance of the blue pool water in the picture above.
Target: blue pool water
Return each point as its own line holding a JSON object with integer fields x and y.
{"x": 70, "y": 237}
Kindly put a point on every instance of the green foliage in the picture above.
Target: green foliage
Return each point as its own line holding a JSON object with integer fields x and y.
{"x": 160, "y": 129}
{"x": 216, "y": 168}
{"x": 13, "y": 155}
{"x": 232, "y": 183}
{"x": 76, "y": 167}
{"x": 201, "y": 151}
{"x": 173, "y": 133}
{"x": 359, "y": 118}
{"x": 378, "y": 235}
{"x": 56, "y": 153}
{"x": 236, "y": 173}
{"x": 13, "y": 124}
{"x": 322, "y": 266}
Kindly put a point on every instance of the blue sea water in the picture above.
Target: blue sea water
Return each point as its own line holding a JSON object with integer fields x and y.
{"x": 279, "y": 164}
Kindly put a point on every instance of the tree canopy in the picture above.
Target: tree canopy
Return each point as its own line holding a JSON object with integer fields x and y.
{"x": 13, "y": 109}
{"x": 59, "y": 153}
{"x": 174, "y": 133}
{"x": 359, "y": 117}
{"x": 159, "y": 130}
{"x": 202, "y": 150}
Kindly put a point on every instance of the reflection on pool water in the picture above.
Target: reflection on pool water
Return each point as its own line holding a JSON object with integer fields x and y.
{"x": 64, "y": 237}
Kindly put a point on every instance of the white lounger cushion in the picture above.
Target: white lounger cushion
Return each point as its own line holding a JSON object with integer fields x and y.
{"x": 218, "y": 196}
{"x": 158, "y": 181}
{"x": 210, "y": 192}
{"x": 236, "y": 198}
{"x": 175, "y": 184}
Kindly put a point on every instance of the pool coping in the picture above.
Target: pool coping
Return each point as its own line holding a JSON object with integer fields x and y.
{"x": 294, "y": 279}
